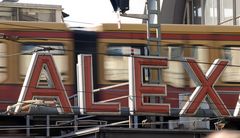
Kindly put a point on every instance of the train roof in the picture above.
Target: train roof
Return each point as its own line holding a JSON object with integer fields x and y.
{"x": 176, "y": 28}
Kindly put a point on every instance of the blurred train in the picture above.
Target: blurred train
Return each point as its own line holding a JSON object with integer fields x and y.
{"x": 110, "y": 48}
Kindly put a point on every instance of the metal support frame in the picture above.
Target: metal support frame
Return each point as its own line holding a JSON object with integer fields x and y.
{"x": 153, "y": 12}
{"x": 153, "y": 40}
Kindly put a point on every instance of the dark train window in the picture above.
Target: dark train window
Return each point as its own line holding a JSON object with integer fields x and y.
{"x": 60, "y": 58}
{"x": 29, "y": 48}
{"x": 116, "y": 61}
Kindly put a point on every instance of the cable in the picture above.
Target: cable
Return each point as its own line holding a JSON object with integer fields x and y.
{"x": 191, "y": 46}
{"x": 140, "y": 97}
{"x": 90, "y": 52}
{"x": 178, "y": 60}
{"x": 78, "y": 22}
{"x": 96, "y": 53}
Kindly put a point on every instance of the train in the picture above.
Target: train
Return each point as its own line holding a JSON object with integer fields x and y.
{"x": 110, "y": 48}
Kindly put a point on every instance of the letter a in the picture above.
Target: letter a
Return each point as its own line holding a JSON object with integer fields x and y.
{"x": 35, "y": 92}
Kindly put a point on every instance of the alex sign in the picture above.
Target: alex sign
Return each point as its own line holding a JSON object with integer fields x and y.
{"x": 137, "y": 89}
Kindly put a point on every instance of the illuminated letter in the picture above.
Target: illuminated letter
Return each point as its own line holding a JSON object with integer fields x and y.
{"x": 205, "y": 87}
{"x": 138, "y": 90}
{"x": 33, "y": 91}
{"x": 85, "y": 90}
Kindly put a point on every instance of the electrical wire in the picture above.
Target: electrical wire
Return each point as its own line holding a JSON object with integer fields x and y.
{"x": 78, "y": 22}
{"x": 107, "y": 54}
{"x": 139, "y": 98}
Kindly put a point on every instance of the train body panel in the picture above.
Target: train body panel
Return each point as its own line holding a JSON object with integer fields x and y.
{"x": 203, "y": 43}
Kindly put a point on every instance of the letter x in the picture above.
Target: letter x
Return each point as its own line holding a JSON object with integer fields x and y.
{"x": 205, "y": 87}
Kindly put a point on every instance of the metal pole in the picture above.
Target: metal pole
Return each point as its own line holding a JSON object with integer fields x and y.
{"x": 203, "y": 11}
{"x": 218, "y": 13}
{"x": 234, "y": 12}
{"x": 75, "y": 123}
{"x": 28, "y": 125}
{"x": 153, "y": 10}
{"x": 48, "y": 126}
{"x": 130, "y": 121}
{"x": 133, "y": 121}
{"x": 135, "y": 118}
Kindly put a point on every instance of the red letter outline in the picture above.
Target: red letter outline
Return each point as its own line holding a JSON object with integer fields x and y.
{"x": 137, "y": 90}
{"x": 205, "y": 87}
{"x": 85, "y": 91}
{"x": 29, "y": 89}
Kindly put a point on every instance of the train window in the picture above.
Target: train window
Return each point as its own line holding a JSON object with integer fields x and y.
{"x": 201, "y": 54}
{"x": 175, "y": 52}
{"x": 174, "y": 75}
{"x": 116, "y": 63}
{"x": 59, "y": 56}
{"x": 232, "y": 72}
{"x": 3, "y": 62}
{"x": 28, "y": 48}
